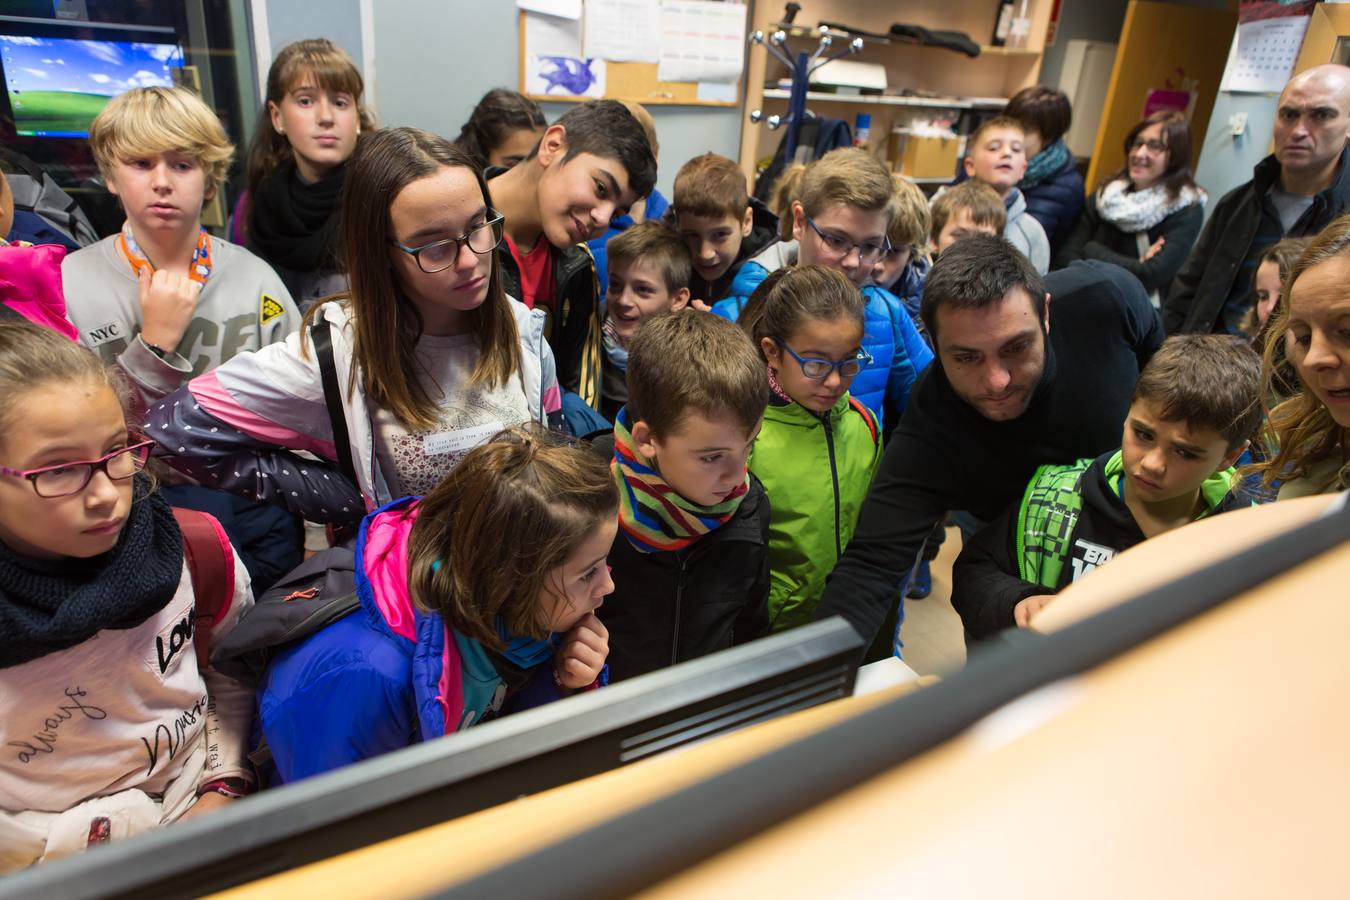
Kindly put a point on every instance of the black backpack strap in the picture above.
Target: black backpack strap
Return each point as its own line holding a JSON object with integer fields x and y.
{"x": 320, "y": 332}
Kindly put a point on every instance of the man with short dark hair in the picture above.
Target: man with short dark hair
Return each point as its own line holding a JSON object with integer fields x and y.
{"x": 1007, "y": 393}
{"x": 1297, "y": 190}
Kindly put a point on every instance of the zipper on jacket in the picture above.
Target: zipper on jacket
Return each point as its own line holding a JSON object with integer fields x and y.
{"x": 834, "y": 476}
{"x": 679, "y": 598}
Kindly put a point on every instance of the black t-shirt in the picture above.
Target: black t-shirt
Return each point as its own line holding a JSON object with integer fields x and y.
{"x": 944, "y": 455}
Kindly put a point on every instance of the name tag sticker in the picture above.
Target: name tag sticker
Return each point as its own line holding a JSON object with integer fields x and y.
{"x": 460, "y": 440}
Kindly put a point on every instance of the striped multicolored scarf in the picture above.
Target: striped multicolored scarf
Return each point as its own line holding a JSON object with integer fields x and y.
{"x": 652, "y": 515}
{"x": 199, "y": 270}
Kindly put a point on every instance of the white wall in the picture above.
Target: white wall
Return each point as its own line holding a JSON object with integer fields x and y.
{"x": 1227, "y": 161}
{"x": 435, "y": 58}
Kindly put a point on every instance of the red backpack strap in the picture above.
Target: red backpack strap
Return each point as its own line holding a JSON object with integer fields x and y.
{"x": 862, "y": 410}
{"x": 210, "y": 561}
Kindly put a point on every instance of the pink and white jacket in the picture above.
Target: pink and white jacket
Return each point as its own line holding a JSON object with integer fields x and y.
{"x": 239, "y": 426}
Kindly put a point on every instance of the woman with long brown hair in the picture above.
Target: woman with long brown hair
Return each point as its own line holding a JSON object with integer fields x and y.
{"x": 1312, "y": 330}
{"x": 429, "y": 357}
{"x": 1145, "y": 217}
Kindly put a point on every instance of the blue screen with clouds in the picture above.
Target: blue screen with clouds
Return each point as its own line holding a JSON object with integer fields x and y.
{"x": 56, "y": 85}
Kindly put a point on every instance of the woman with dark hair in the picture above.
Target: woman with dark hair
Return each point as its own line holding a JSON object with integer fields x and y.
{"x": 1052, "y": 186}
{"x": 1145, "y": 217}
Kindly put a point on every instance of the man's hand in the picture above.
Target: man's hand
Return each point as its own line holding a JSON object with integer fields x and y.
{"x": 582, "y": 654}
{"x": 168, "y": 301}
{"x": 1027, "y": 608}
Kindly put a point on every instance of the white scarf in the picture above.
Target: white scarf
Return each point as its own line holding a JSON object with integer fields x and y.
{"x": 1136, "y": 211}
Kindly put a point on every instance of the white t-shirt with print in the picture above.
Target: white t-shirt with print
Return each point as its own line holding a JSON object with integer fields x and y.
{"x": 414, "y": 462}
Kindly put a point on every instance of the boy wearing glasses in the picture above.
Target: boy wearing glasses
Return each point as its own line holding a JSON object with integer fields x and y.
{"x": 904, "y": 265}
{"x": 840, "y": 221}
{"x": 163, "y": 299}
{"x": 590, "y": 167}
{"x": 690, "y": 564}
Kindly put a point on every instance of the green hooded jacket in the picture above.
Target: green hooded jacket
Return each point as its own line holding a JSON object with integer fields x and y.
{"x": 816, "y": 470}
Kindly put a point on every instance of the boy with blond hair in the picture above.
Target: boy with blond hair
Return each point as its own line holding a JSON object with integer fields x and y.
{"x": 996, "y": 155}
{"x": 690, "y": 565}
{"x": 1194, "y": 411}
{"x": 166, "y": 301}
{"x": 720, "y": 222}
{"x": 163, "y": 299}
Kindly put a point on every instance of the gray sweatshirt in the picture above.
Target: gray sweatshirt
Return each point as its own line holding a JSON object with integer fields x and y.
{"x": 244, "y": 306}
{"x": 1025, "y": 233}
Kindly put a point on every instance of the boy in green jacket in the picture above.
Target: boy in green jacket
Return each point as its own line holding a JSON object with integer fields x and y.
{"x": 1195, "y": 408}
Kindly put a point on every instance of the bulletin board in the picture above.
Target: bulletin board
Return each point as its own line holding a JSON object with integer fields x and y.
{"x": 554, "y": 69}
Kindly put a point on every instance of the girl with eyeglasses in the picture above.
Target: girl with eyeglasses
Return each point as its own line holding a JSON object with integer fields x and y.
{"x": 105, "y": 709}
{"x": 819, "y": 446}
{"x": 1145, "y": 217}
{"x": 429, "y": 357}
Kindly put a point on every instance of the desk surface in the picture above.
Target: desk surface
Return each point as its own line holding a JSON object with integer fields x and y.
{"x": 1209, "y": 762}
{"x": 416, "y": 863}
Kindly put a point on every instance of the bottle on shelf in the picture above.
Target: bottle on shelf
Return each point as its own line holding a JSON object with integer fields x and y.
{"x": 862, "y": 129}
{"x": 1002, "y": 23}
{"x": 1019, "y": 35}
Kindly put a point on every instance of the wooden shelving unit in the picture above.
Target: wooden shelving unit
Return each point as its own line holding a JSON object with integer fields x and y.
{"x": 960, "y": 82}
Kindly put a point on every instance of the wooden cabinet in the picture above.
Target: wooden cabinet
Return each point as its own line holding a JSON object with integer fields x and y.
{"x": 959, "y": 81}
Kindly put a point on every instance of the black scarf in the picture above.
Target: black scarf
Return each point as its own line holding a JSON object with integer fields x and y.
{"x": 49, "y": 605}
{"x": 294, "y": 225}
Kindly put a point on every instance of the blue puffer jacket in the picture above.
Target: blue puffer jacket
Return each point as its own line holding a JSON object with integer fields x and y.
{"x": 898, "y": 353}
{"x": 382, "y": 677}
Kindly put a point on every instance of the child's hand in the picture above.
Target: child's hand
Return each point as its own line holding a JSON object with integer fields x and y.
{"x": 205, "y": 804}
{"x": 1024, "y": 610}
{"x": 700, "y": 306}
{"x": 1153, "y": 250}
{"x": 582, "y": 654}
{"x": 168, "y": 301}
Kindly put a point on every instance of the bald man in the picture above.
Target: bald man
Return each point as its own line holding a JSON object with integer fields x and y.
{"x": 1295, "y": 191}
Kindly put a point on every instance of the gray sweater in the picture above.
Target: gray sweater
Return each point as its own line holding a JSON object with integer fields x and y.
{"x": 244, "y": 306}
{"x": 1025, "y": 233}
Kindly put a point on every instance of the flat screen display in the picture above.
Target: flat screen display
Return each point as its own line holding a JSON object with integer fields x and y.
{"x": 57, "y": 85}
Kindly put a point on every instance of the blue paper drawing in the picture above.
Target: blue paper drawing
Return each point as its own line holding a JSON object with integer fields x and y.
{"x": 571, "y": 74}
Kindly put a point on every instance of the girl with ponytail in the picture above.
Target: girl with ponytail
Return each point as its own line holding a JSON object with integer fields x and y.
{"x": 449, "y": 630}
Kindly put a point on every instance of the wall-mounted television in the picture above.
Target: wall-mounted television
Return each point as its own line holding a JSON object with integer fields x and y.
{"x": 57, "y": 85}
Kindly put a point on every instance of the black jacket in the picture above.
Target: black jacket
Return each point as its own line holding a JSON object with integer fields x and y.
{"x": 1095, "y": 238}
{"x": 946, "y": 456}
{"x": 573, "y": 327}
{"x": 986, "y": 586}
{"x": 670, "y": 607}
{"x": 1202, "y": 287}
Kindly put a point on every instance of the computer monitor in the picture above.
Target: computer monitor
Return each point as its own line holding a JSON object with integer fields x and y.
{"x": 56, "y": 86}
{"x": 439, "y": 780}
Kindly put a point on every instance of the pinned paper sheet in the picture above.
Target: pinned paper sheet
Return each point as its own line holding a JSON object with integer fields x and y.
{"x": 623, "y": 30}
{"x": 1264, "y": 55}
{"x": 554, "y": 65}
{"x": 567, "y": 9}
{"x": 701, "y": 41}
